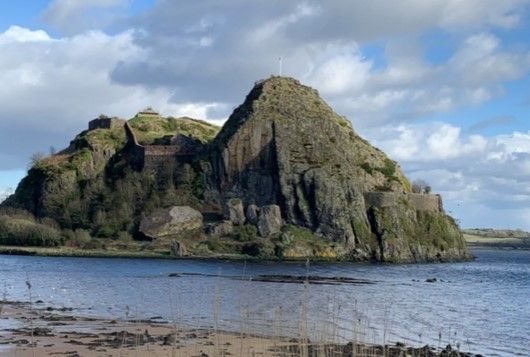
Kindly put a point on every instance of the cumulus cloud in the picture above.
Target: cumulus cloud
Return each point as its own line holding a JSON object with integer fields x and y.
{"x": 74, "y": 16}
{"x": 430, "y": 142}
{"x": 408, "y": 87}
{"x": 471, "y": 171}
{"x": 196, "y": 49}
{"x": 58, "y": 84}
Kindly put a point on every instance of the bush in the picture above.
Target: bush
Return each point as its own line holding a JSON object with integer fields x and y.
{"x": 81, "y": 238}
{"x": 78, "y": 238}
{"x": 25, "y": 232}
{"x": 124, "y": 237}
{"x": 245, "y": 233}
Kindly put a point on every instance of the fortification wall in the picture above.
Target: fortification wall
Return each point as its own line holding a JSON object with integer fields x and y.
{"x": 160, "y": 150}
{"x": 155, "y": 156}
{"x": 421, "y": 202}
{"x": 424, "y": 202}
{"x": 106, "y": 123}
{"x": 131, "y": 136}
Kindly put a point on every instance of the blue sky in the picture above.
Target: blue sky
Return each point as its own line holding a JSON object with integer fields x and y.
{"x": 442, "y": 86}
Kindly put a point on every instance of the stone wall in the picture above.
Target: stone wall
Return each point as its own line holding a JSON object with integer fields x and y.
{"x": 421, "y": 202}
{"x": 155, "y": 156}
{"x": 105, "y": 123}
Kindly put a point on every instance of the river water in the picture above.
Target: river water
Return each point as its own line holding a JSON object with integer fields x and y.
{"x": 482, "y": 306}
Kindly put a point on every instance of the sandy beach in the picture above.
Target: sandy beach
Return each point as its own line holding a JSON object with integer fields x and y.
{"x": 31, "y": 330}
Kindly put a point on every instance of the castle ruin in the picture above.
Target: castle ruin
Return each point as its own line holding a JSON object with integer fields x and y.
{"x": 181, "y": 148}
{"x": 105, "y": 122}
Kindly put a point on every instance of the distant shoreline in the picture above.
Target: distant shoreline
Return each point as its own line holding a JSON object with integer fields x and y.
{"x": 495, "y": 240}
{"x": 497, "y": 246}
{"x": 70, "y": 252}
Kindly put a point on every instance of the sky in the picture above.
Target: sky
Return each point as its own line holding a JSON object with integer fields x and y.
{"x": 442, "y": 86}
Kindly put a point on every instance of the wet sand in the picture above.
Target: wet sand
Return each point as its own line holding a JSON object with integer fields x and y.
{"x": 31, "y": 330}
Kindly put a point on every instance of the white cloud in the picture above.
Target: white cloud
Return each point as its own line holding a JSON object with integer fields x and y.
{"x": 472, "y": 172}
{"x": 57, "y": 85}
{"x": 74, "y": 16}
{"x": 272, "y": 27}
{"x": 339, "y": 68}
{"x": 426, "y": 142}
{"x": 19, "y": 34}
{"x": 408, "y": 87}
{"x": 477, "y": 12}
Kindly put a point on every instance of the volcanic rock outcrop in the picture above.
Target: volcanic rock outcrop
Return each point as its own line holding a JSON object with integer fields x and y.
{"x": 285, "y": 177}
{"x": 284, "y": 145}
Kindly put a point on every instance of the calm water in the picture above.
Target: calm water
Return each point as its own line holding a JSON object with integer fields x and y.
{"x": 482, "y": 305}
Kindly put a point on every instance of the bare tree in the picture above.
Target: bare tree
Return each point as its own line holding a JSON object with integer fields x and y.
{"x": 36, "y": 158}
{"x": 421, "y": 186}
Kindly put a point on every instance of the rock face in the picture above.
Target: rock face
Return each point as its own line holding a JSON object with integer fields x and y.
{"x": 234, "y": 212}
{"x": 251, "y": 213}
{"x": 218, "y": 229}
{"x": 269, "y": 220}
{"x": 171, "y": 222}
{"x": 285, "y": 146}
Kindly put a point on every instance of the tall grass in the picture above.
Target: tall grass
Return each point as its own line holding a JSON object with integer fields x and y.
{"x": 320, "y": 331}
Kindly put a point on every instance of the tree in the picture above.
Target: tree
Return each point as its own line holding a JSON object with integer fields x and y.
{"x": 36, "y": 159}
{"x": 421, "y": 186}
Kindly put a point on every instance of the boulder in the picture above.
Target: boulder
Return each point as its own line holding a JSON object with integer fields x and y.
{"x": 220, "y": 229}
{"x": 171, "y": 221}
{"x": 269, "y": 220}
{"x": 177, "y": 249}
{"x": 233, "y": 211}
{"x": 252, "y": 213}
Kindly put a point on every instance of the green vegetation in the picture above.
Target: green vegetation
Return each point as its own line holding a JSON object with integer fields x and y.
{"x": 388, "y": 170}
{"x": 245, "y": 233}
{"x": 497, "y": 233}
{"x": 153, "y": 129}
{"x": 94, "y": 194}
{"x": 100, "y": 138}
{"x": 367, "y": 168}
{"x": 343, "y": 122}
{"x": 501, "y": 238}
{"x": 27, "y": 232}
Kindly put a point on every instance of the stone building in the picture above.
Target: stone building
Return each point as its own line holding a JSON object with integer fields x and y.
{"x": 105, "y": 122}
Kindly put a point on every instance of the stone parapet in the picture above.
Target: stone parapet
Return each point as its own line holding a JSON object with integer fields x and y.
{"x": 421, "y": 202}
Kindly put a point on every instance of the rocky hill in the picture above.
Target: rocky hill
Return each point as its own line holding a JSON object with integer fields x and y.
{"x": 285, "y": 177}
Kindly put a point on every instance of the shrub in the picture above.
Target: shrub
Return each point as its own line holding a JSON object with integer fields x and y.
{"x": 24, "y": 232}
{"x": 78, "y": 238}
{"x": 367, "y": 168}
{"x": 81, "y": 238}
{"x": 124, "y": 237}
{"x": 421, "y": 186}
{"x": 245, "y": 233}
